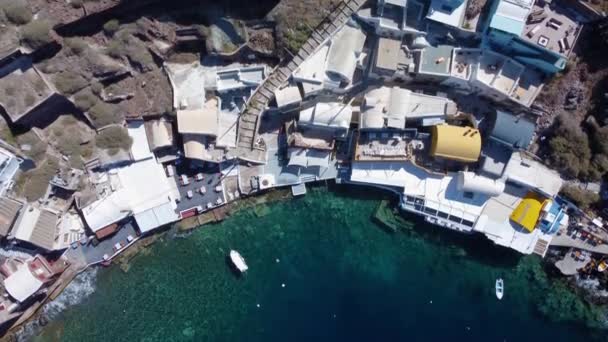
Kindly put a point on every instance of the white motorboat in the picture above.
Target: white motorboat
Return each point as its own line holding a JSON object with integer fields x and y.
{"x": 238, "y": 261}
{"x": 500, "y": 288}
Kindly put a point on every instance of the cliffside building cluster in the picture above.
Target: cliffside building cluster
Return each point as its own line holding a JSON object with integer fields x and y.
{"x": 424, "y": 98}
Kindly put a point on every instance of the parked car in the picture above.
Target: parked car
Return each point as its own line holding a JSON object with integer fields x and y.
{"x": 184, "y": 180}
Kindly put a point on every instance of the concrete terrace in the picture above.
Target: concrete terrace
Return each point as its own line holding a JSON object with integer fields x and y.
{"x": 529, "y": 86}
{"x": 94, "y": 254}
{"x": 208, "y": 199}
{"x": 463, "y": 62}
{"x": 552, "y": 26}
{"x": 435, "y": 60}
{"x": 498, "y": 73}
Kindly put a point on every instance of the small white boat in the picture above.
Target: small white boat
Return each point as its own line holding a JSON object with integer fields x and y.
{"x": 500, "y": 288}
{"x": 238, "y": 261}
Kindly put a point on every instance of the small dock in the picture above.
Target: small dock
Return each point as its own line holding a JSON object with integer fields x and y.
{"x": 572, "y": 263}
{"x": 298, "y": 189}
{"x": 215, "y": 215}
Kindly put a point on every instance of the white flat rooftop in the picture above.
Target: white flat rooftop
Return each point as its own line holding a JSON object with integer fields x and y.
{"x": 226, "y": 136}
{"x": 327, "y": 114}
{"x": 438, "y": 196}
{"x": 447, "y": 15}
{"x": 22, "y": 284}
{"x": 498, "y": 72}
{"x": 439, "y": 192}
{"x": 463, "y": 62}
{"x": 188, "y": 81}
{"x": 242, "y": 77}
{"x": 495, "y": 222}
{"x": 287, "y": 96}
{"x": 529, "y": 85}
{"x": 508, "y": 76}
{"x": 489, "y": 66}
{"x": 531, "y": 173}
{"x": 139, "y": 148}
{"x": 400, "y": 104}
{"x": 312, "y": 71}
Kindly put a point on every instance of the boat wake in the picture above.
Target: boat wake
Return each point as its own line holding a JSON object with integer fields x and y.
{"x": 75, "y": 293}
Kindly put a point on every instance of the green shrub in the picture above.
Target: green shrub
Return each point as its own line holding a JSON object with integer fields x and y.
{"x": 580, "y": 197}
{"x": 18, "y": 13}
{"x": 36, "y": 34}
{"x": 48, "y": 67}
{"x": 111, "y": 27}
{"x": 96, "y": 88}
{"x": 113, "y": 151}
{"x": 69, "y": 82}
{"x": 37, "y": 180}
{"x": 58, "y": 131}
{"x": 113, "y": 89}
{"x": 76, "y": 3}
{"x": 37, "y": 149}
{"x": 7, "y": 135}
{"x": 569, "y": 148}
{"x": 140, "y": 57}
{"x": 598, "y": 167}
{"x": 68, "y": 120}
{"x": 598, "y": 136}
{"x": 103, "y": 114}
{"x": 116, "y": 49}
{"x": 570, "y": 156}
{"x": 85, "y": 100}
{"x": 123, "y": 45}
{"x": 86, "y": 150}
{"x": 295, "y": 38}
{"x": 9, "y": 90}
{"x": 113, "y": 138}
{"x": 68, "y": 146}
{"x": 76, "y": 45}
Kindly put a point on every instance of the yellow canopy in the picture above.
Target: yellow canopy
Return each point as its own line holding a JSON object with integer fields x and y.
{"x": 456, "y": 143}
{"x": 528, "y": 211}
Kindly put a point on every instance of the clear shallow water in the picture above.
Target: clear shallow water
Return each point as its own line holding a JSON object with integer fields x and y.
{"x": 345, "y": 279}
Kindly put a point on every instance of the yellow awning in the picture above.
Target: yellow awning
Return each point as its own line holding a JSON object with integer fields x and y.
{"x": 528, "y": 211}
{"x": 456, "y": 143}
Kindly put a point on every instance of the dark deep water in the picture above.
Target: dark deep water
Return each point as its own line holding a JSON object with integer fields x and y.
{"x": 346, "y": 279}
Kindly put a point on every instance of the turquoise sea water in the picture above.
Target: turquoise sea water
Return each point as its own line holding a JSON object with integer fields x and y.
{"x": 346, "y": 279}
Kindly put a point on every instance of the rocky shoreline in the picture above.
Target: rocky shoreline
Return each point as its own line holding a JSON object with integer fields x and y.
{"x": 386, "y": 216}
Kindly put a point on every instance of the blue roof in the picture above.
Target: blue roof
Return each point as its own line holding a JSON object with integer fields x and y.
{"x": 552, "y": 226}
{"x": 511, "y": 130}
{"x": 507, "y": 24}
